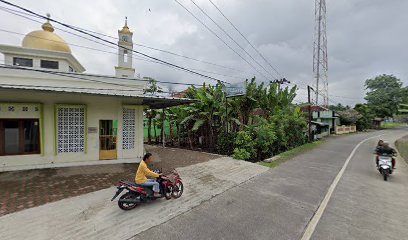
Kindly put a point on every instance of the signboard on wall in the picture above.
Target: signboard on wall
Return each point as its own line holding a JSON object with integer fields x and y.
{"x": 92, "y": 130}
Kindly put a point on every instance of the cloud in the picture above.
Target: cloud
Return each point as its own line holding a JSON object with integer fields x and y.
{"x": 365, "y": 38}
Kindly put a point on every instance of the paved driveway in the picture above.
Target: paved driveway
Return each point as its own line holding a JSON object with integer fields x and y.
{"x": 31, "y": 188}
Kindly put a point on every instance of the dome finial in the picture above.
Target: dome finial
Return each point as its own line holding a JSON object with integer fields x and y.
{"x": 125, "y": 28}
{"x": 47, "y": 26}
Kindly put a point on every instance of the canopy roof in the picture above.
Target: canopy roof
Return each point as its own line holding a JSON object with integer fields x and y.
{"x": 155, "y": 102}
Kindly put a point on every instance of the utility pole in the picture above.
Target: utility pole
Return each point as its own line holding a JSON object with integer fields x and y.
{"x": 310, "y": 113}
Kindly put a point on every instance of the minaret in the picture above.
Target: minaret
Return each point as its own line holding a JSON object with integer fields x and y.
{"x": 125, "y": 68}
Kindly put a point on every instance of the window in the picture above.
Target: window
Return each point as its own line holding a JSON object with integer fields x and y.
{"x": 24, "y": 62}
{"x": 129, "y": 123}
{"x": 71, "y": 129}
{"x": 125, "y": 56}
{"x": 19, "y": 136}
{"x": 71, "y": 69}
{"x": 49, "y": 64}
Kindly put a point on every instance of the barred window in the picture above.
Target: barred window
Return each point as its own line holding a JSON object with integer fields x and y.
{"x": 71, "y": 129}
{"x": 128, "y": 136}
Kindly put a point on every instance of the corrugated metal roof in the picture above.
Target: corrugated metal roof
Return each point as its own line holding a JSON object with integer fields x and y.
{"x": 152, "y": 101}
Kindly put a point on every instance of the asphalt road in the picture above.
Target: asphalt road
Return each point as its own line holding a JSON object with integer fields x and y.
{"x": 280, "y": 203}
{"x": 363, "y": 205}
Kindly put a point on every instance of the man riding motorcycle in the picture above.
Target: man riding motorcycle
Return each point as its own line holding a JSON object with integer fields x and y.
{"x": 143, "y": 172}
{"x": 385, "y": 148}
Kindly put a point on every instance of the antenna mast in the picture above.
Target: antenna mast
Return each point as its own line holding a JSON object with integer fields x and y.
{"x": 320, "y": 65}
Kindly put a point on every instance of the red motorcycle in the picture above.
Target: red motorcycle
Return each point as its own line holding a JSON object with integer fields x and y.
{"x": 170, "y": 187}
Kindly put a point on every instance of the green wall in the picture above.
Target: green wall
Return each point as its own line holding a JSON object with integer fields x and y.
{"x": 158, "y": 129}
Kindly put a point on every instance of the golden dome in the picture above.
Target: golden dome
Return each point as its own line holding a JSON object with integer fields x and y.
{"x": 125, "y": 29}
{"x": 46, "y": 39}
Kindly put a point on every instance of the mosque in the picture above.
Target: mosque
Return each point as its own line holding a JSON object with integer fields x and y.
{"x": 52, "y": 114}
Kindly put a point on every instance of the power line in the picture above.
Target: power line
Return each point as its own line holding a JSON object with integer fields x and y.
{"x": 84, "y": 37}
{"x": 18, "y": 13}
{"x": 246, "y": 39}
{"x": 81, "y": 76}
{"x": 226, "y": 44}
{"x": 115, "y": 53}
{"x": 229, "y": 36}
{"x": 110, "y": 42}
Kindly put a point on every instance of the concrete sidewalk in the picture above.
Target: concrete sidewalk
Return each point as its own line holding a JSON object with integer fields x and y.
{"x": 93, "y": 216}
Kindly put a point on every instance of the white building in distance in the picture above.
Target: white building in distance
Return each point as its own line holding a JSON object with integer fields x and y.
{"x": 52, "y": 114}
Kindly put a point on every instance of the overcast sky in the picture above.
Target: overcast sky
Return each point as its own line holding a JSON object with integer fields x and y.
{"x": 365, "y": 38}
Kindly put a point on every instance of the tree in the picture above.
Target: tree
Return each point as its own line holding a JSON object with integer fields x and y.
{"x": 207, "y": 111}
{"x": 248, "y": 102}
{"x": 349, "y": 116}
{"x": 366, "y": 117}
{"x": 152, "y": 89}
{"x": 150, "y": 114}
{"x": 384, "y": 95}
{"x": 338, "y": 107}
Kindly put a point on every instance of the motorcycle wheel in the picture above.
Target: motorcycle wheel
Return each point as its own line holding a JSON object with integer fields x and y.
{"x": 168, "y": 192}
{"x": 128, "y": 206}
{"x": 385, "y": 174}
{"x": 177, "y": 189}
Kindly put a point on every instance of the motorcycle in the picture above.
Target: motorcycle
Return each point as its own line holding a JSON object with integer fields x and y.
{"x": 170, "y": 187}
{"x": 385, "y": 165}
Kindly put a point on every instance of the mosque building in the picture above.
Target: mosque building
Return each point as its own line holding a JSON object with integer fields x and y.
{"x": 52, "y": 114}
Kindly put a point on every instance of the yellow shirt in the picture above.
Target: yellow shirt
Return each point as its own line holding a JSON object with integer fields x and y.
{"x": 143, "y": 172}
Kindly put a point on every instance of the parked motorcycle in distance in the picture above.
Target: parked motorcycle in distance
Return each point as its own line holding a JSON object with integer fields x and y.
{"x": 170, "y": 187}
{"x": 385, "y": 165}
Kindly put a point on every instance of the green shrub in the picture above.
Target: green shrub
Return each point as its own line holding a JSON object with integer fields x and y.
{"x": 284, "y": 131}
{"x": 226, "y": 143}
{"x": 244, "y": 146}
{"x": 290, "y": 128}
{"x": 265, "y": 139}
{"x": 241, "y": 154}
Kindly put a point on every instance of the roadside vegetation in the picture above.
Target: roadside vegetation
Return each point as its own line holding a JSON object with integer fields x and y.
{"x": 285, "y": 156}
{"x": 263, "y": 122}
{"x": 402, "y": 146}
{"x": 257, "y": 125}
{"x": 388, "y": 125}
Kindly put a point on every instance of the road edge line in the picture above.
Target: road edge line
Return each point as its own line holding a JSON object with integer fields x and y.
{"x": 310, "y": 228}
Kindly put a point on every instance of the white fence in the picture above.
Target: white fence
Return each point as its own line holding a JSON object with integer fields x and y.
{"x": 345, "y": 129}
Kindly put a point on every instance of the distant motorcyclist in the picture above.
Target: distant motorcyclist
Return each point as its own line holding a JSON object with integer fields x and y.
{"x": 379, "y": 145}
{"x": 385, "y": 148}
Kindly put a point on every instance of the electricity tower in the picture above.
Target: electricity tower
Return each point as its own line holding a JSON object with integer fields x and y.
{"x": 320, "y": 65}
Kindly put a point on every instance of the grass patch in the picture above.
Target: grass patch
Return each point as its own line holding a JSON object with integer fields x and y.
{"x": 392, "y": 125}
{"x": 285, "y": 156}
{"x": 402, "y": 146}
